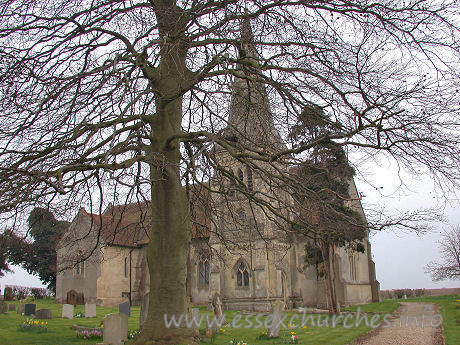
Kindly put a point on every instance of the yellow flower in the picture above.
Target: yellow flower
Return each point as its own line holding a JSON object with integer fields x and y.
{"x": 304, "y": 327}
{"x": 293, "y": 333}
{"x": 42, "y": 323}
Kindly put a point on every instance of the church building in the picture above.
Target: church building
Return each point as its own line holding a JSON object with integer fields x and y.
{"x": 238, "y": 251}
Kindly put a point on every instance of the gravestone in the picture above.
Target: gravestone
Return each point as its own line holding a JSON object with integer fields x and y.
{"x": 8, "y": 294}
{"x": 216, "y": 305}
{"x": 195, "y": 317}
{"x": 12, "y": 307}
{"x": 21, "y": 308}
{"x": 67, "y": 311}
{"x": 3, "y": 307}
{"x": 29, "y": 309}
{"x": 275, "y": 310}
{"x": 43, "y": 314}
{"x": 90, "y": 310}
{"x": 144, "y": 309}
{"x": 115, "y": 328}
{"x": 72, "y": 297}
{"x": 124, "y": 308}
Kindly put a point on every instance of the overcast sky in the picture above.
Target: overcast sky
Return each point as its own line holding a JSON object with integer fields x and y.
{"x": 399, "y": 256}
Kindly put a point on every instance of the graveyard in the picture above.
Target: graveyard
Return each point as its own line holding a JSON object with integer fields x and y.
{"x": 59, "y": 329}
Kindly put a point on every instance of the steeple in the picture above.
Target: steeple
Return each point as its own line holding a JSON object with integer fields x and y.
{"x": 250, "y": 121}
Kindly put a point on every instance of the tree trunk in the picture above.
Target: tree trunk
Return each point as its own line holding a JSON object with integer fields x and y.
{"x": 169, "y": 241}
{"x": 328, "y": 259}
{"x": 169, "y": 244}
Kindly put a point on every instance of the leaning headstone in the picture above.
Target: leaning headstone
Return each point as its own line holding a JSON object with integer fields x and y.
{"x": 3, "y": 307}
{"x": 29, "y": 309}
{"x": 115, "y": 328}
{"x": 90, "y": 310}
{"x": 144, "y": 309}
{"x": 21, "y": 308}
{"x": 275, "y": 310}
{"x": 43, "y": 314}
{"x": 67, "y": 311}
{"x": 124, "y": 308}
{"x": 12, "y": 307}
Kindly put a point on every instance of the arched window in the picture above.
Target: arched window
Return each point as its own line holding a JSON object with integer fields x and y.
{"x": 250, "y": 181}
{"x": 353, "y": 267}
{"x": 79, "y": 268}
{"x": 242, "y": 276}
{"x": 232, "y": 191}
{"x": 204, "y": 272}
{"x": 240, "y": 175}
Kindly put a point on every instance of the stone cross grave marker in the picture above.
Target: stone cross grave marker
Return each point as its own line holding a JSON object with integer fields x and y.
{"x": 275, "y": 310}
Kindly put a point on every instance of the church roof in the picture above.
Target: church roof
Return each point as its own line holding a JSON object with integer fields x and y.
{"x": 129, "y": 225}
{"x": 250, "y": 120}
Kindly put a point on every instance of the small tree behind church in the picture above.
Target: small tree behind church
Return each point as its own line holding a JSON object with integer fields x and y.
{"x": 322, "y": 198}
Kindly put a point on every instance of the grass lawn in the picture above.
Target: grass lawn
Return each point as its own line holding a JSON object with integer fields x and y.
{"x": 61, "y": 333}
{"x": 449, "y": 312}
{"x": 59, "y": 329}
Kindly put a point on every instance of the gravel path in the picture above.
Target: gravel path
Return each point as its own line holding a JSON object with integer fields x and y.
{"x": 410, "y": 335}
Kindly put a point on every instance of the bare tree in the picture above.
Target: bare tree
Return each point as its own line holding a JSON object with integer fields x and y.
{"x": 449, "y": 265}
{"x": 128, "y": 100}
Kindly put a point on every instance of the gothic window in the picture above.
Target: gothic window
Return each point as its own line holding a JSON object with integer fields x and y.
{"x": 250, "y": 181}
{"x": 353, "y": 267}
{"x": 242, "y": 276}
{"x": 240, "y": 175}
{"x": 233, "y": 187}
{"x": 204, "y": 272}
{"x": 79, "y": 268}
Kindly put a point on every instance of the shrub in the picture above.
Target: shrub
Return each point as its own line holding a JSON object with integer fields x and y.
{"x": 38, "y": 293}
{"x": 409, "y": 293}
{"x": 20, "y": 292}
{"x": 399, "y": 293}
{"x": 419, "y": 292}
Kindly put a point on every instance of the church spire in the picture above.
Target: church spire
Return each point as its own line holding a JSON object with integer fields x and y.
{"x": 248, "y": 47}
{"x": 250, "y": 120}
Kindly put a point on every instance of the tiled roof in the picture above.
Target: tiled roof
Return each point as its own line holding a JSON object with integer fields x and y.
{"x": 129, "y": 225}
